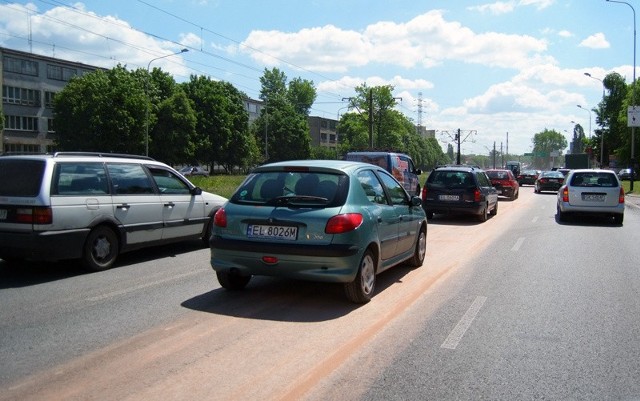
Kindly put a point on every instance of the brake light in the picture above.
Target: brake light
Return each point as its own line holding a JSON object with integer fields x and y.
{"x": 543, "y": 180}
{"x": 477, "y": 195}
{"x": 621, "y": 196}
{"x": 36, "y": 215}
{"x": 565, "y": 194}
{"x": 424, "y": 193}
{"x": 343, "y": 223}
{"x": 220, "y": 218}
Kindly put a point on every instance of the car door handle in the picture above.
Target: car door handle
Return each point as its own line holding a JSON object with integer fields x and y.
{"x": 169, "y": 205}
{"x": 124, "y": 206}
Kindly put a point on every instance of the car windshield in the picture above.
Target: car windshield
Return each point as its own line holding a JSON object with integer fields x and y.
{"x": 451, "y": 179}
{"x": 280, "y": 188}
{"x": 498, "y": 175}
{"x": 593, "y": 180}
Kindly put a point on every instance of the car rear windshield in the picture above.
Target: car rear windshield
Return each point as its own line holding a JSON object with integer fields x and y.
{"x": 21, "y": 178}
{"x": 451, "y": 179}
{"x": 594, "y": 180}
{"x": 498, "y": 175}
{"x": 292, "y": 188}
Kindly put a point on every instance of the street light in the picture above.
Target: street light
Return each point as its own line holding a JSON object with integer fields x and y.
{"x": 633, "y": 88}
{"x": 602, "y": 132}
{"x": 588, "y": 111}
{"x": 146, "y": 88}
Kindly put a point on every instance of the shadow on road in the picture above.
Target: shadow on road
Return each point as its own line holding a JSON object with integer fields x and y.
{"x": 24, "y": 274}
{"x": 277, "y": 299}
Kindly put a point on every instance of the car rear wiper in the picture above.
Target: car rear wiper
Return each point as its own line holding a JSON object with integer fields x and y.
{"x": 292, "y": 199}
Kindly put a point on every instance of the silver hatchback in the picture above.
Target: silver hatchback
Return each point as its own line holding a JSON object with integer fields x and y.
{"x": 591, "y": 192}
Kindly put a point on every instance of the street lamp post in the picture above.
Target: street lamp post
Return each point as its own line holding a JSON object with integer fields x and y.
{"x": 588, "y": 111}
{"x": 633, "y": 89}
{"x": 602, "y": 132}
{"x": 146, "y": 88}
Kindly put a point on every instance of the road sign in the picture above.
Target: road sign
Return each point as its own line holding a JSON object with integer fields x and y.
{"x": 633, "y": 116}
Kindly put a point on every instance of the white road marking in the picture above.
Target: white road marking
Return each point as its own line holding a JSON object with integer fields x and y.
{"x": 518, "y": 244}
{"x": 463, "y": 325}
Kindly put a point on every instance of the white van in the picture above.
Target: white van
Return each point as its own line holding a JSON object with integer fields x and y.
{"x": 94, "y": 206}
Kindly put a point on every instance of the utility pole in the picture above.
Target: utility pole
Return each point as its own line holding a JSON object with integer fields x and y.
{"x": 458, "y": 139}
{"x": 370, "y": 101}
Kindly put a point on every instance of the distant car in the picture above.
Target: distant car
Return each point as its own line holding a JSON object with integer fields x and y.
{"x": 548, "y": 181}
{"x": 591, "y": 192}
{"x": 319, "y": 220}
{"x": 505, "y": 182}
{"x": 625, "y": 174}
{"x": 193, "y": 170}
{"x": 459, "y": 190}
{"x": 400, "y": 165}
{"x": 527, "y": 177}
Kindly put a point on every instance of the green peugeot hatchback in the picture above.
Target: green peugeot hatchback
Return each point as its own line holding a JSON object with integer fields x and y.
{"x": 319, "y": 220}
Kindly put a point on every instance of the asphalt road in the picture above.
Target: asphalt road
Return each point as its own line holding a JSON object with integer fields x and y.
{"x": 519, "y": 307}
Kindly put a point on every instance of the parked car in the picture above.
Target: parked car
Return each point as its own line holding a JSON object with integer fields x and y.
{"x": 320, "y": 220}
{"x": 528, "y": 177}
{"x": 400, "y": 165}
{"x": 505, "y": 182}
{"x": 591, "y": 192}
{"x": 625, "y": 174}
{"x": 93, "y": 206}
{"x": 459, "y": 190}
{"x": 194, "y": 170}
{"x": 549, "y": 181}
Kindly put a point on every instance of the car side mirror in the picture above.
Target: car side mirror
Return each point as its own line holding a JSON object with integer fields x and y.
{"x": 416, "y": 201}
{"x": 196, "y": 191}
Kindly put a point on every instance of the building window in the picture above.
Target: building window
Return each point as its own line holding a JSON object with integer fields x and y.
{"x": 21, "y": 123}
{"x": 27, "y": 97}
{"x": 48, "y": 99}
{"x": 50, "y": 127}
{"x": 20, "y": 66}
{"x": 60, "y": 73}
{"x": 20, "y": 148}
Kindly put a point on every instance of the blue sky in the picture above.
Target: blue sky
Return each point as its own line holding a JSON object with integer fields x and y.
{"x": 494, "y": 69}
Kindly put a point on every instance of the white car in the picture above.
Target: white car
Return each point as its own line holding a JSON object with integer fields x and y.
{"x": 591, "y": 192}
{"x": 93, "y": 206}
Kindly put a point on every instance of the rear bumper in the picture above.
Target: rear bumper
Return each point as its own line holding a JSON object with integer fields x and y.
{"x": 451, "y": 208}
{"x": 565, "y": 207}
{"x": 46, "y": 245}
{"x": 326, "y": 263}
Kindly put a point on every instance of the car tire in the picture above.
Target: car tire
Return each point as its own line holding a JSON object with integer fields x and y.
{"x": 360, "y": 290}
{"x": 494, "y": 211}
{"x": 484, "y": 215}
{"x": 206, "y": 235}
{"x": 420, "y": 249}
{"x": 618, "y": 218}
{"x": 100, "y": 250}
{"x": 561, "y": 216}
{"x": 232, "y": 281}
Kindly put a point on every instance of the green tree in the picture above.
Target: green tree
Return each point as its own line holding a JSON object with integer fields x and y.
{"x": 102, "y": 111}
{"x": 549, "y": 141}
{"x": 611, "y": 117}
{"x": 283, "y": 120}
{"x": 221, "y": 122}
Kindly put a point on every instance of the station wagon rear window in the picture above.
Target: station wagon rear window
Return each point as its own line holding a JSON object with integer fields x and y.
{"x": 21, "y": 177}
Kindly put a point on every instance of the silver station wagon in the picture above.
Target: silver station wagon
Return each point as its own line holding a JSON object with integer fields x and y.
{"x": 93, "y": 206}
{"x": 591, "y": 192}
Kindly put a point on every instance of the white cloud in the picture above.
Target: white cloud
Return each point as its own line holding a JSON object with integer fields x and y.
{"x": 596, "y": 41}
{"x": 426, "y": 40}
{"x": 497, "y": 8}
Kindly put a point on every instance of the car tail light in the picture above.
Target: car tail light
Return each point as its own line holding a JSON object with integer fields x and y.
{"x": 543, "y": 180}
{"x": 270, "y": 260}
{"x": 424, "y": 192}
{"x": 220, "y": 218}
{"x": 621, "y": 196}
{"x": 35, "y": 215}
{"x": 477, "y": 195}
{"x": 565, "y": 194}
{"x": 343, "y": 223}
